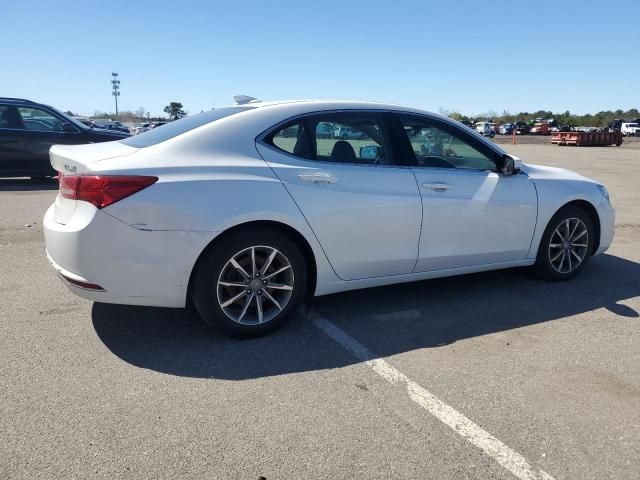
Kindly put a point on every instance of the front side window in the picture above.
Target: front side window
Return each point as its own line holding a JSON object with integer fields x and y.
{"x": 438, "y": 148}
{"x": 354, "y": 138}
{"x": 40, "y": 120}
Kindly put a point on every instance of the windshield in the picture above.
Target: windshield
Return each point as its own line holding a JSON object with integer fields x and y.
{"x": 72, "y": 120}
{"x": 178, "y": 127}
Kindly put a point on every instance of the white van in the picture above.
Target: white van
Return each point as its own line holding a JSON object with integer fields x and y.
{"x": 486, "y": 129}
{"x": 630, "y": 129}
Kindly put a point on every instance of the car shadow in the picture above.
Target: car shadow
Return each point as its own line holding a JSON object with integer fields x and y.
{"x": 388, "y": 320}
{"x": 27, "y": 184}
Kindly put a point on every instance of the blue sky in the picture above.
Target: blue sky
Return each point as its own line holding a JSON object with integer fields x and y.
{"x": 469, "y": 56}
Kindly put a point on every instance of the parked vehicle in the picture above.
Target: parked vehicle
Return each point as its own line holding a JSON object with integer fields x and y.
{"x": 141, "y": 127}
{"x": 586, "y": 129}
{"x": 349, "y": 133}
{"x": 522, "y": 128}
{"x": 219, "y": 210}
{"x": 157, "y": 124}
{"x": 540, "y": 128}
{"x": 27, "y": 131}
{"x": 486, "y": 129}
{"x": 630, "y": 129}
{"x": 615, "y": 125}
{"x": 506, "y": 129}
{"x": 110, "y": 125}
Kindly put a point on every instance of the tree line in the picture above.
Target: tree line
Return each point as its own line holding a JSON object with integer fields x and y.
{"x": 174, "y": 110}
{"x": 600, "y": 119}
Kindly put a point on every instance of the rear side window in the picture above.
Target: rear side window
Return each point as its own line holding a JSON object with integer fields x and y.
{"x": 294, "y": 139}
{"x": 178, "y": 127}
{"x": 355, "y": 138}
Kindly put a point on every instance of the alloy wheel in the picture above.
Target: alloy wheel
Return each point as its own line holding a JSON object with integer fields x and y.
{"x": 255, "y": 285}
{"x": 568, "y": 245}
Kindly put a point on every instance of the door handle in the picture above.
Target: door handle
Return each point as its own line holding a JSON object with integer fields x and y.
{"x": 437, "y": 187}
{"x": 317, "y": 178}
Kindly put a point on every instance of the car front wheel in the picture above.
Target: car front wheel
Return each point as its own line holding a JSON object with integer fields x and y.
{"x": 250, "y": 282}
{"x": 566, "y": 244}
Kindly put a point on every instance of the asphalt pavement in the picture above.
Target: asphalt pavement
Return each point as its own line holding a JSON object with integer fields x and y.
{"x": 493, "y": 375}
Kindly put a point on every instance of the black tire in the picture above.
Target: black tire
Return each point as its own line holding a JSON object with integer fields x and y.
{"x": 492, "y": 134}
{"x": 205, "y": 287}
{"x": 543, "y": 266}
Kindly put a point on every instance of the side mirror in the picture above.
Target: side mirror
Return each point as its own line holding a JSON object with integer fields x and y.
{"x": 369, "y": 152}
{"x": 510, "y": 165}
{"x": 67, "y": 127}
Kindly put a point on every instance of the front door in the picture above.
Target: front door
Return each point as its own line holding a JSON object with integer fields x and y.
{"x": 472, "y": 214}
{"x": 364, "y": 209}
{"x": 41, "y": 130}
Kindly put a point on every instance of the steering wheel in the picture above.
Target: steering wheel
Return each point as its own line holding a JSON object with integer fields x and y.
{"x": 450, "y": 152}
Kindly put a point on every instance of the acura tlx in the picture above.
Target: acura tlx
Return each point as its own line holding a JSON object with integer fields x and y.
{"x": 245, "y": 211}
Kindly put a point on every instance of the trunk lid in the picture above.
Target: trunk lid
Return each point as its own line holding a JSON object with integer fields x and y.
{"x": 76, "y": 160}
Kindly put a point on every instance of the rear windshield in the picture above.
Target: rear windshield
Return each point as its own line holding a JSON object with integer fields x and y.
{"x": 173, "y": 129}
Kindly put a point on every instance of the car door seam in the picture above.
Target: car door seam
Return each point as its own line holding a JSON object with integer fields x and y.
{"x": 301, "y": 212}
{"x": 413, "y": 270}
{"x": 535, "y": 225}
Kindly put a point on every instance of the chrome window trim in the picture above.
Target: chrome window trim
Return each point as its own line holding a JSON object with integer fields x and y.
{"x": 260, "y": 139}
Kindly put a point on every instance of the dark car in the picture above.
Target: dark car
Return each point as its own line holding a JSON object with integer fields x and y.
{"x": 522, "y": 128}
{"x": 27, "y": 131}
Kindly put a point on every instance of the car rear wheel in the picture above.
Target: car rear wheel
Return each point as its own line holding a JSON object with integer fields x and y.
{"x": 566, "y": 245}
{"x": 250, "y": 282}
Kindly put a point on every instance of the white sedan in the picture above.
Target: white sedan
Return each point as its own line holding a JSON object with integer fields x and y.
{"x": 244, "y": 211}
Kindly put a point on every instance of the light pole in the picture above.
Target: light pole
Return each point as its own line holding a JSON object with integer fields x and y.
{"x": 116, "y": 90}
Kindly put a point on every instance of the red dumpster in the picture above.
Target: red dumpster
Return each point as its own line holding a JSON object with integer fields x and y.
{"x": 583, "y": 139}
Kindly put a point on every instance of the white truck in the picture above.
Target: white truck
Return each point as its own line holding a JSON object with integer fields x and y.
{"x": 486, "y": 128}
{"x": 628, "y": 129}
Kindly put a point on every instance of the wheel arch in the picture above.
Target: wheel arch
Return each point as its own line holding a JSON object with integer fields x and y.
{"x": 589, "y": 208}
{"x": 289, "y": 231}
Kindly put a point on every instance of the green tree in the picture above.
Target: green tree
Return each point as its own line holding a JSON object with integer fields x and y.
{"x": 174, "y": 110}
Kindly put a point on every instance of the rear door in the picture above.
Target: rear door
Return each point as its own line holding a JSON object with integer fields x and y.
{"x": 363, "y": 207}
{"x": 13, "y": 158}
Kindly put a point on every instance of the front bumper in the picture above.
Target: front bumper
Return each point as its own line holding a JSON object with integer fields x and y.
{"x": 607, "y": 215}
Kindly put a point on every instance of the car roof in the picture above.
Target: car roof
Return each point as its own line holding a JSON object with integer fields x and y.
{"x": 332, "y": 104}
{"x": 297, "y": 107}
{"x": 17, "y": 101}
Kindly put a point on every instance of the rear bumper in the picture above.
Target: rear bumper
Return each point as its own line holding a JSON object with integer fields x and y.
{"x": 131, "y": 266}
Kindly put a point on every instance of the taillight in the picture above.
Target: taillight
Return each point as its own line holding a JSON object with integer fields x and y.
{"x": 102, "y": 190}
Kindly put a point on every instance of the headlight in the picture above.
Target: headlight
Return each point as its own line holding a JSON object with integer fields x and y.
{"x": 604, "y": 192}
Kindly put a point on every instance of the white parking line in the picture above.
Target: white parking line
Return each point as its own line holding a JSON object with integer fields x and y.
{"x": 501, "y": 453}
